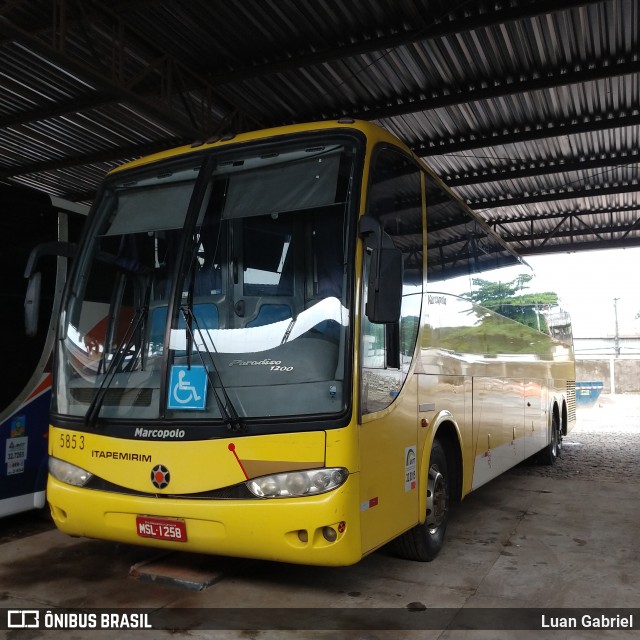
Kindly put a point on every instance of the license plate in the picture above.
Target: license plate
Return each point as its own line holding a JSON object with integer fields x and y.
{"x": 161, "y": 529}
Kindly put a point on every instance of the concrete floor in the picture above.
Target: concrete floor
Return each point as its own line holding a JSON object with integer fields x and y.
{"x": 564, "y": 537}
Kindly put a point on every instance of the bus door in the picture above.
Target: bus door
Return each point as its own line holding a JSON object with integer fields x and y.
{"x": 389, "y": 431}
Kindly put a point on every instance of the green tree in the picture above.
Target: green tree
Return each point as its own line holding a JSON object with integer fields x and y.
{"x": 508, "y": 299}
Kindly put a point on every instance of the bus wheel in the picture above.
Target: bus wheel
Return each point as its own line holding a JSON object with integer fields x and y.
{"x": 551, "y": 452}
{"x": 424, "y": 541}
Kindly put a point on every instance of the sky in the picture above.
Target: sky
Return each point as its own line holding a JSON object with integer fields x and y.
{"x": 587, "y": 283}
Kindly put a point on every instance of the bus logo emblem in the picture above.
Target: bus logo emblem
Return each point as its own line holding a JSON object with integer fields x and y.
{"x": 160, "y": 476}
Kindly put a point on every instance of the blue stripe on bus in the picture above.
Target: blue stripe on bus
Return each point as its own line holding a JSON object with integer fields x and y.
{"x": 32, "y": 422}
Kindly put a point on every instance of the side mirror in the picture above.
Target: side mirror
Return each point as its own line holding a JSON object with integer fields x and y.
{"x": 62, "y": 249}
{"x": 384, "y": 299}
{"x": 32, "y": 304}
{"x": 32, "y": 297}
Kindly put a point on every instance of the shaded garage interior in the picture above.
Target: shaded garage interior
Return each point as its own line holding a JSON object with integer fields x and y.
{"x": 527, "y": 108}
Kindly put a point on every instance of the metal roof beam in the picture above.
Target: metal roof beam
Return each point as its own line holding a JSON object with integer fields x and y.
{"x": 491, "y": 88}
{"x": 535, "y": 217}
{"x": 535, "y": 131}
{"x": 538, "y": 168}
{"x": 554, "y": 196}
{"x": 475, "y": 17}
{"x": 80, "y": 196}
{"x": 163, "y": 88}
{"x": 572, "y": 226}
{"x": 570, "y": 233}
{"x": 119, "y": 154}
{"x": 583, "y": 245}
{"x": 96, "y": 78}
{"x": 88, "y": 101}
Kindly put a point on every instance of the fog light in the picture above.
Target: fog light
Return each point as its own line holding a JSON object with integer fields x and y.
{"x": 59, "y": 515}
{"x": 329, "y": 534}
{"x": 303, "y": 535}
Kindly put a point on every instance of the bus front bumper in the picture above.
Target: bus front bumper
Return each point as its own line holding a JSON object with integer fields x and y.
{"x": 318, "y": 530}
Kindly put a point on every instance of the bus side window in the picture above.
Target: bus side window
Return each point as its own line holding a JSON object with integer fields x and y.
{"x": 395, "y": 200}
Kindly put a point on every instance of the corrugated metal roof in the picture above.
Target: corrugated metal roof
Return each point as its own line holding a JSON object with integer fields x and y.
{"x": 529, "y": 109}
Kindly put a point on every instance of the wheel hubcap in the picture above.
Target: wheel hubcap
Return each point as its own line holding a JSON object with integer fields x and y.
{"x": 436, "y": 500}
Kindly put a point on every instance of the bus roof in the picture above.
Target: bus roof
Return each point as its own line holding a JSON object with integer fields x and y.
{"x": 372, "y": 131}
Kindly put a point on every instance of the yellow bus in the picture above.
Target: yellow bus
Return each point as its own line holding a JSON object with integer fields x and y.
{"x": 269, "y": 348}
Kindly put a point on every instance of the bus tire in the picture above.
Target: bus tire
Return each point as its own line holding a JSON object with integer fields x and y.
{"x": 551, "y": 452}
{"x": 424, "y": 541}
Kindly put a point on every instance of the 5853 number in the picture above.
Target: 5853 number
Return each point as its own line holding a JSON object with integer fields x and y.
{"x": 71, "y": 441}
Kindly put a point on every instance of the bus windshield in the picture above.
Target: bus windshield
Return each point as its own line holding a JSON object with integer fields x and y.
{"x": 215, "y": 289}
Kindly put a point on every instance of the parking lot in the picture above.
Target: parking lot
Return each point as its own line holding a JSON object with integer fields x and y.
{"x": 546, "y": 538}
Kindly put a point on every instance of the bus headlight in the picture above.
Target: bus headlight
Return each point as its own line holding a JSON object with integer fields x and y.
{"x": 68, "y": 473}
{"x": 298, "y": 483}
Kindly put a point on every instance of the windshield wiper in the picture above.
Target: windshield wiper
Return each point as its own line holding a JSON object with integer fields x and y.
{"x": 228, "y": 412}
{"x": 114, "y": 365}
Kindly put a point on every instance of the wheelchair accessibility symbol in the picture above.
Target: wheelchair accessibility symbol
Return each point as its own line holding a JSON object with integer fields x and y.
{"x": 188, "y": 388}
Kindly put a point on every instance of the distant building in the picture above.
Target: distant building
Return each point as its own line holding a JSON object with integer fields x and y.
{"x": 613, "y": 360}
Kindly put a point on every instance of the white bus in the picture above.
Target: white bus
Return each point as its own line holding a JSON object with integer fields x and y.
{"x": 28, "y": 219}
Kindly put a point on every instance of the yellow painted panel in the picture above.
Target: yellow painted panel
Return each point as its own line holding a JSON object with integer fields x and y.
{"x": 287, "y": 530}
{"x": 194, "y": 466}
